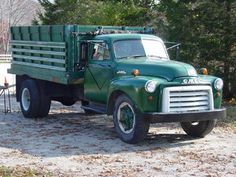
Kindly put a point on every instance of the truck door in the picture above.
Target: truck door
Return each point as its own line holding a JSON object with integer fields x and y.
{"x": 99, "y": 72}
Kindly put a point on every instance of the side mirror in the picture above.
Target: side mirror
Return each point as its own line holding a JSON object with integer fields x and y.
{"x": 175, "y": 46}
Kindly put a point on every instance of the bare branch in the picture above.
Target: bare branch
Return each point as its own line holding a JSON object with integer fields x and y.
{"x": 14, "y": 12}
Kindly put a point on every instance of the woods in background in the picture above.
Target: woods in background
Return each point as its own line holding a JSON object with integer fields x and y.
{"x": 205, "y": 29}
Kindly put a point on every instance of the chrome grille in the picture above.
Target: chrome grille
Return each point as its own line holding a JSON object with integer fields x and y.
{"x": 187, "y": 99}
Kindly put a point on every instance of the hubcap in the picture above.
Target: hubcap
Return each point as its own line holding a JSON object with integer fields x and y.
{"x": 25, "y": 99}
{"x": 126, "y": 117}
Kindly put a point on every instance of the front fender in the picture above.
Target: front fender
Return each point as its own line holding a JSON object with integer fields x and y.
{"x": 134, "y": 88}
{"x": 217, "y": 98}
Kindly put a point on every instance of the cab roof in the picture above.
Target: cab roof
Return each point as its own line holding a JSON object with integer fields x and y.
{"x": 114, "y": 37}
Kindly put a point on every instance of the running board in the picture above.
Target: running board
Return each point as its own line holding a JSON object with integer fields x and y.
{"x": 96, "y": 108}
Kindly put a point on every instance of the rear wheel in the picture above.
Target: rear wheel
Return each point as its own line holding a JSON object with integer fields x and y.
{"x": 198, "y": 129}
{"x": 34, "y": 103}
{"x": 29, "y": 99}
{"x": 45, "y": 104}
{"x": 130, "y": 126}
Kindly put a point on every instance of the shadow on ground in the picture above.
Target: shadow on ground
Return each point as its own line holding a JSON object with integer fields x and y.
{"x": 67, "y": 134}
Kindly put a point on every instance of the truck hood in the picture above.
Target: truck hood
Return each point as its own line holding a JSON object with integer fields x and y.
{"x": 167, "y": 69}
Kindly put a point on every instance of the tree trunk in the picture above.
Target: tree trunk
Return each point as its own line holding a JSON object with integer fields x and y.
{"x": 228, "y": 44}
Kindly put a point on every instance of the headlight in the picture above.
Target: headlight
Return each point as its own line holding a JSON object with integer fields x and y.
{"x": 150, "y": 86}
{"x": 218, "y": 84}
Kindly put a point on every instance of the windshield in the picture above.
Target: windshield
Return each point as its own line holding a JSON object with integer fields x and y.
{"x": 135, "y": 48}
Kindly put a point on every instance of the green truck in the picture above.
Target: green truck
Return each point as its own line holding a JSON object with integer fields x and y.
{"x": 121, "y": 71}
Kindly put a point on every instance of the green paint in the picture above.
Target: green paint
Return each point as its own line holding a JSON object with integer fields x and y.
{"x": 52, "y": 53}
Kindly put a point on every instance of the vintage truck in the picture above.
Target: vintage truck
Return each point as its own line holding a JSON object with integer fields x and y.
{"x": 121, "y": 71}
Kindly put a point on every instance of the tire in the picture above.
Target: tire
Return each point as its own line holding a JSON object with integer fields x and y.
{"x": 129, "y": 124}
{"x": 29, "y": 99}
{"x": 45, "y": 104}
{"x": 67, "y": 101}
{"x": 198, "y": 129}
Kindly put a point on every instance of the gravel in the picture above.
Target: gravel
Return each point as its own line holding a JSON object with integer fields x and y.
{"x": 71, "y": 143}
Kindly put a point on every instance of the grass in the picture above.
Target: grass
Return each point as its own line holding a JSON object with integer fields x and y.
{"x": 22, "y": 172}
{"x": 230, "y": 120}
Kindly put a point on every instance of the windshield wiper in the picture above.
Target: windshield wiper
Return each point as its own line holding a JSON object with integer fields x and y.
{"x": 121, "y": 58}
{"x": 157, "y": 56}
{"x": 132, "y": 56}
{"x": 136, "y": 56}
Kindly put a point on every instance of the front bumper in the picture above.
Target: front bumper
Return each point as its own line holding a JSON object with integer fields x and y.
{"x": 156, "y": 117}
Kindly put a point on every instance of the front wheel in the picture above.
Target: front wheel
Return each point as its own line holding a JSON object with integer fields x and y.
{"x": 130, "y": 126}
{"x": 198, "y": 129}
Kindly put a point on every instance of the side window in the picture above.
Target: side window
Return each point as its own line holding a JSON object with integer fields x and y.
{"x": 100, "y": 52}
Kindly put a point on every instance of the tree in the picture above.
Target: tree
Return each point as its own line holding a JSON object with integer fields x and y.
{"x": 13, "y": 12}
{"x": 97, "y": 12}
{"x": 206, "y": 30}
{"x": 59, "y": 12}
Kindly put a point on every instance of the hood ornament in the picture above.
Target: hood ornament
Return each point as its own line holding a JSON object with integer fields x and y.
{"x": 120, "y": 72}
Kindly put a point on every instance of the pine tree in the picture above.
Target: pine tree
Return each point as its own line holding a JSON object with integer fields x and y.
{"x": 206, "y": 30}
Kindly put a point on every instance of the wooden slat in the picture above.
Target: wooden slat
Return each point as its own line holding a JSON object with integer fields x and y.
{"x": 53, "y": 60}
{"x": 39, "y": 65}
{"x": 34, "y": 45}
{"x": 62, "y": 44}
{"x": 43, "y": 52}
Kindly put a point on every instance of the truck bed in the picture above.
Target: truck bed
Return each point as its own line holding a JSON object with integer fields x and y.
{"x": 51, "y": 52}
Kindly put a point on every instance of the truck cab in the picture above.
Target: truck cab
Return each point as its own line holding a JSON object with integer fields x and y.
{"x": 130, "y": 76}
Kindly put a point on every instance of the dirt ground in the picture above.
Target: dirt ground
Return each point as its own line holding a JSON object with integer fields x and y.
{"x": 70, "y": 143}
